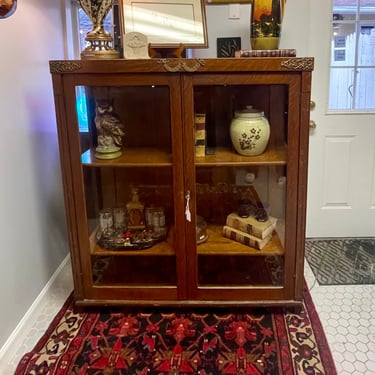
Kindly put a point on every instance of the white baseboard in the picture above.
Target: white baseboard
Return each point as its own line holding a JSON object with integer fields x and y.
{"x": 18, "y": 336}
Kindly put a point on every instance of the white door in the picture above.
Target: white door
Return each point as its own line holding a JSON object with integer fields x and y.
{"x": 341, "y": 187}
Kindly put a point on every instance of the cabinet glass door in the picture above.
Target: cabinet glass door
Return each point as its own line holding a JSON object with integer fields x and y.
{"x": 241, "y": 171}
{"x": 128, "y": 183}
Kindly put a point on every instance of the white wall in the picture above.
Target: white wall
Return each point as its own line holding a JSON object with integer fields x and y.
{"x": 295, "y": 29}
{"x": 33, "y": 236}
{"x": 219, "y": 25}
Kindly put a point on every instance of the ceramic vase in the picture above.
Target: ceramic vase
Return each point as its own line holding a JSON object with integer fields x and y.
{"x": 265, "y": 24}
{"x": 250, "y": 132}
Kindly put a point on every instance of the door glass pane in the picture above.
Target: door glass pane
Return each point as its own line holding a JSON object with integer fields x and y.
{"x": 352, "y": 50}
{"x": 365, "y": 96}
{"x": 367, "y": 9}
{"x": 344, "y": 10}
{"x": 128, "y": 183}
{"x": 366, "y": 45}
{"x": 341, "y": 88}
{"x": 344, "y": 43}
{"x": 240, "y": 200}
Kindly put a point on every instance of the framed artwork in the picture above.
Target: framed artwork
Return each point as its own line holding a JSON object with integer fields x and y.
{"x": 208, "y": 2}
{"x": 166, "y": 23}
{"x": 7, "y": 8}
{"x": 226, "y": 47}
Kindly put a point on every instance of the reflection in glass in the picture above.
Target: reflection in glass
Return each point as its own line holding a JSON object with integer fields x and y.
{"x": 235, "y": 234}
{"x": 240, "y": 199}
{"x": 129, "y": 204}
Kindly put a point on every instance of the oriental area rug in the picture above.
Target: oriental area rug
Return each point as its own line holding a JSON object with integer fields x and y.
{"x": 125, "y": 341}
{"x": 341, "y": 261}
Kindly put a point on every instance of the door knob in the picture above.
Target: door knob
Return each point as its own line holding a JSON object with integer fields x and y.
{"x": 312, "y": 125}
{"x": 312, "y": 105}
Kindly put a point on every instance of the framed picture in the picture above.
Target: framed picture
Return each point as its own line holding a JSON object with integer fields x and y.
{"x": 227, "y": 47}
{"x": 166, "y": 23}
{"x": 7, "y": 8}
{"x": 218, "y": 2}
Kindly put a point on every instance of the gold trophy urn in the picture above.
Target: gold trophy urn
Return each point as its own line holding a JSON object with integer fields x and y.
{"x": 99, "y": 40}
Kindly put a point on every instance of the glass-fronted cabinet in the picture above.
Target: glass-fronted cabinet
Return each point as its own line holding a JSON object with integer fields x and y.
{"x": 185, "y": 180}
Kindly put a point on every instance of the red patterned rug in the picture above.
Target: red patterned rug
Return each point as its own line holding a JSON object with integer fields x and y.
{"x": 127, "y": 341}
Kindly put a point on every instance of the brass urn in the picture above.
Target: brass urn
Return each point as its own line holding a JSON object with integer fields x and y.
{"x": 99, "y": 40}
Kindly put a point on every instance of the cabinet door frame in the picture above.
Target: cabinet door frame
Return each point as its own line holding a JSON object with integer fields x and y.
{"x": 295, "y": 193}
{"x": 73, "y": 178}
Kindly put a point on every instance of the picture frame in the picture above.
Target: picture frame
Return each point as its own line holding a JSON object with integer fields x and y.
{"x": 227, "y": 47}
{"x": 223, "y": 2}
{"x": 166, "y": 23}
{"x": 7, "y": 8}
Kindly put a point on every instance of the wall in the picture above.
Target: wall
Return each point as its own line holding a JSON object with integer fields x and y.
{"x": 219, "y": 25}
{"x": 294, "y": 31}
{"x": 32, "y": 223}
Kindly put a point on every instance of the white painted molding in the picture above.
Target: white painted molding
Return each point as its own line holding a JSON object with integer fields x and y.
{"x": 58, "y": 287}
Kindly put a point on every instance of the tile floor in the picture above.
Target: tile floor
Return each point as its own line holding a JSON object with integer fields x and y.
{"x": 347, "y": 314}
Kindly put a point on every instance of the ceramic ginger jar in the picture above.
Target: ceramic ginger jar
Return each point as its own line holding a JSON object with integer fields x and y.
{"x": 249, "y": 132}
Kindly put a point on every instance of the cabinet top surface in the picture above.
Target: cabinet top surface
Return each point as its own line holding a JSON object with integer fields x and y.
{"x": 178, "y": 65}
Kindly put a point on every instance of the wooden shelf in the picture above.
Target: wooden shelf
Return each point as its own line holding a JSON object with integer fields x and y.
{"x": 140, "y": 157}
{"x": 217, "y": 244}
{"x": 131, "y": 157}
{"x": 222, "y": 156}
{"x": 162, "y": 248}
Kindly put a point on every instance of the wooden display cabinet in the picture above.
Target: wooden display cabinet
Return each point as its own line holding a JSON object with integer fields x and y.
{"x": 190, "y": 263}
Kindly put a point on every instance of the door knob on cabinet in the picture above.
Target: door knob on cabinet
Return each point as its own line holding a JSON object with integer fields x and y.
{"x": 312, "y": 125}
{"x": 312, "y": 105}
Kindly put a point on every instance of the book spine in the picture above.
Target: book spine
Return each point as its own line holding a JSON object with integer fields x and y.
{"x": 267, "y": 53}
{"x": 200, "y": 134}
{"x": 244, "y": 238}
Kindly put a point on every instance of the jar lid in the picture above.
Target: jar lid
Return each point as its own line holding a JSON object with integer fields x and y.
{"x": 249, "y": 111}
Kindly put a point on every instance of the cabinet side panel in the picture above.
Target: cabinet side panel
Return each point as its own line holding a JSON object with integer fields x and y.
{"x": 292, "y": 185}
{"x": 65, "y": 161}
{"x": 302, "y": 183}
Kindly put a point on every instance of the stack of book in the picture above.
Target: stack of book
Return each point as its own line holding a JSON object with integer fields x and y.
{"x": 248, "y": 230}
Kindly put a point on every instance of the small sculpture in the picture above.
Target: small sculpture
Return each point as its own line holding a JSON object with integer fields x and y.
{"x": 110, "y": 131}
{"x": 135, "y": 46}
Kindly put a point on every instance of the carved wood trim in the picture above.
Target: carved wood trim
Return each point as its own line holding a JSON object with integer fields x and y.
{"x": 64, "y": 66}
{"x": 304, "y": 64}
{"x": 182, "y": 65}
